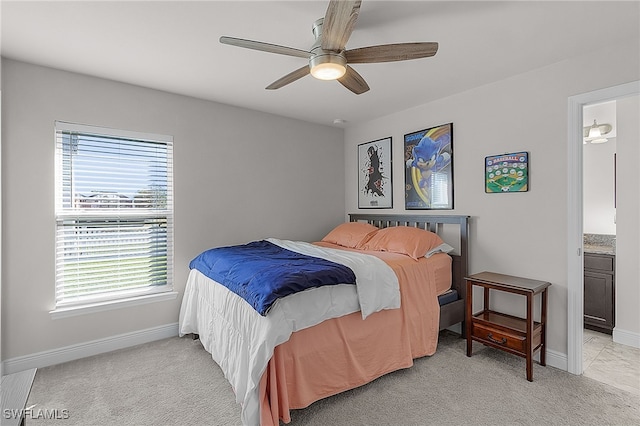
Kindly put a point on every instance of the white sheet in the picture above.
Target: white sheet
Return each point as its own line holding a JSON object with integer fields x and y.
{"x": 242, "y": 341}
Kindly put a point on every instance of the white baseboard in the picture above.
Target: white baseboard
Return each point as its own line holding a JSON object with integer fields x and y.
{"x": 557, "y": 360}
{"x": 83, "y": 350}
{"x": 625, "y": 337}
{"x": 100, "y": 346}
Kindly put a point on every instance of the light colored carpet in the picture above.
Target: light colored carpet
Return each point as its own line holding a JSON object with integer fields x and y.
{"x": 175, "y": 382}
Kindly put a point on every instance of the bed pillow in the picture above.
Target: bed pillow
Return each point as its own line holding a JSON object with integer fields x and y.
{"x": 442, "y": 248}
{"x": 350, "y": 234}
{"x": 414, "y": 242}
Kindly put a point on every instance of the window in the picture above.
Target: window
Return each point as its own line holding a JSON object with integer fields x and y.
{"x": 114, "y": 214}
{"x": 439, "y": 190}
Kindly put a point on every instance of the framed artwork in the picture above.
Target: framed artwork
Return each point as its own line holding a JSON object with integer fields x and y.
{"x": 506, "y": 173}
{"x": 429, "y": 169}
{"x": 374, "y": 175}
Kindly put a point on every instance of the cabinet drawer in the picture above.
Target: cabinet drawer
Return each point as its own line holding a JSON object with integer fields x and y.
{"x": 499, "y": 338}
{"x": 601, "y": 263}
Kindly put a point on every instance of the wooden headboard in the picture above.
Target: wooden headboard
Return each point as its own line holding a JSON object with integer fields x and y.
{"x": 455, "y": 313}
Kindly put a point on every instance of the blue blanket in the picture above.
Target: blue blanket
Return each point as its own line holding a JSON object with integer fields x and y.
{"x": 262, "y": 272}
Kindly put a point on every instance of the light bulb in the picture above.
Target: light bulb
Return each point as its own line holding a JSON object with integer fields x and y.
{"x": 594, "y": 131}
{"x": 328, "y": 66}
{"x": 328, "y": 71}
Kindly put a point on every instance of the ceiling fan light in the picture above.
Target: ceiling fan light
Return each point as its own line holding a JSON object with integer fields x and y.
{"x": 328, "y": 71}
{"x": 328, "y": 67}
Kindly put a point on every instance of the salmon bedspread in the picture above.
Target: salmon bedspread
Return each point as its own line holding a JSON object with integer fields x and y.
{"x": 343, "y": 353}
{"x": 306, "y": 361}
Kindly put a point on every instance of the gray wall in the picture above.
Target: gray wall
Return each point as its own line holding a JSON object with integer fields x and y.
{"x": 522, "y": 234}
{"x": 239, "y": 175}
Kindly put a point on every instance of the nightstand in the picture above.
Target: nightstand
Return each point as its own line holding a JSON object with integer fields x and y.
{"x": 519, "y": 336}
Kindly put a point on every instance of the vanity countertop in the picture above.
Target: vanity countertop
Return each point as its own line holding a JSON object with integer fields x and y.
{"x": 599, "y": 244}
{"x": 599, "y": 249}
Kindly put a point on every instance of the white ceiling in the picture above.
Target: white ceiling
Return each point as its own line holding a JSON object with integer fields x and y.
{"x": 173, "y": 46}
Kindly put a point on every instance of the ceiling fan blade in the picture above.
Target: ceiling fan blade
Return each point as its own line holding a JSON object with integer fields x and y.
{"x": 354, "y": 81}
{"x": 338, "y": 24}
{"x": 289, "y": 78}
{"x": 391, "y": 52}
{"x": 264, "y": 47}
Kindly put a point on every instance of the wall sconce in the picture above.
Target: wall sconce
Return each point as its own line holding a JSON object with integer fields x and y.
{"x": 596, "y": 133}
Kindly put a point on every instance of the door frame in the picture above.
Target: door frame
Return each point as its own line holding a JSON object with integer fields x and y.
{"x": 575, "y": 260}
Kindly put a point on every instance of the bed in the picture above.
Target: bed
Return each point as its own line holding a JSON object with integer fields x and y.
{"x": 276, "y": 364}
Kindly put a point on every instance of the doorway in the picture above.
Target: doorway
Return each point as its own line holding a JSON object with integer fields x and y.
{"x": 575, "y": 260}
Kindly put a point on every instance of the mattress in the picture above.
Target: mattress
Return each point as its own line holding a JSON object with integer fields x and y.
{"x": 447, "y": 297}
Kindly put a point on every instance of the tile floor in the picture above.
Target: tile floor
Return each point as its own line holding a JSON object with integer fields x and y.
{"x": 611, "y": 363}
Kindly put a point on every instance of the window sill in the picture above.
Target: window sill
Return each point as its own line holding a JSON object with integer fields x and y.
{"x": 73, "y": 311}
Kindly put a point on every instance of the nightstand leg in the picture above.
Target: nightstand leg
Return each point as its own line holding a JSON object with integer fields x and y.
{"x": 469, "y": 313}
{"x": 530, "y": 337}
{"x": 543, "y": 321}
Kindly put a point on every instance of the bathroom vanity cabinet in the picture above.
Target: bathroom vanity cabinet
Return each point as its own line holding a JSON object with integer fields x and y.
{"x": 599, "y": 291}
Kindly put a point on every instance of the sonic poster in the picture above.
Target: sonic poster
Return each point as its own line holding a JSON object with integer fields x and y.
{"x": 429, "y": 168}
{"x": 374, "y": 174}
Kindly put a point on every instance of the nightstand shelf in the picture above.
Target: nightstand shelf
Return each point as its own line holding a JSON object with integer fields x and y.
{"x": 506, "y": 331}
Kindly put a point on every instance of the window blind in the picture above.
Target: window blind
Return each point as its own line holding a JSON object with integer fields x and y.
{"x": 439, "y": 190}
{"x": 114, "y": 214}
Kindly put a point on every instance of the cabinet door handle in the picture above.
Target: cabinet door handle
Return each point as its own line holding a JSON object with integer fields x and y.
{"x": 494, "y": 340}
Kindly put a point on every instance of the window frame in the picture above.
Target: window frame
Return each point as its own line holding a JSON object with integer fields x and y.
{"x": 127, "y": 297}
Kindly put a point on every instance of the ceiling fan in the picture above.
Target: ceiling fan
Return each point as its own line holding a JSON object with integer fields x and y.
{"x": 328, "y": 57}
